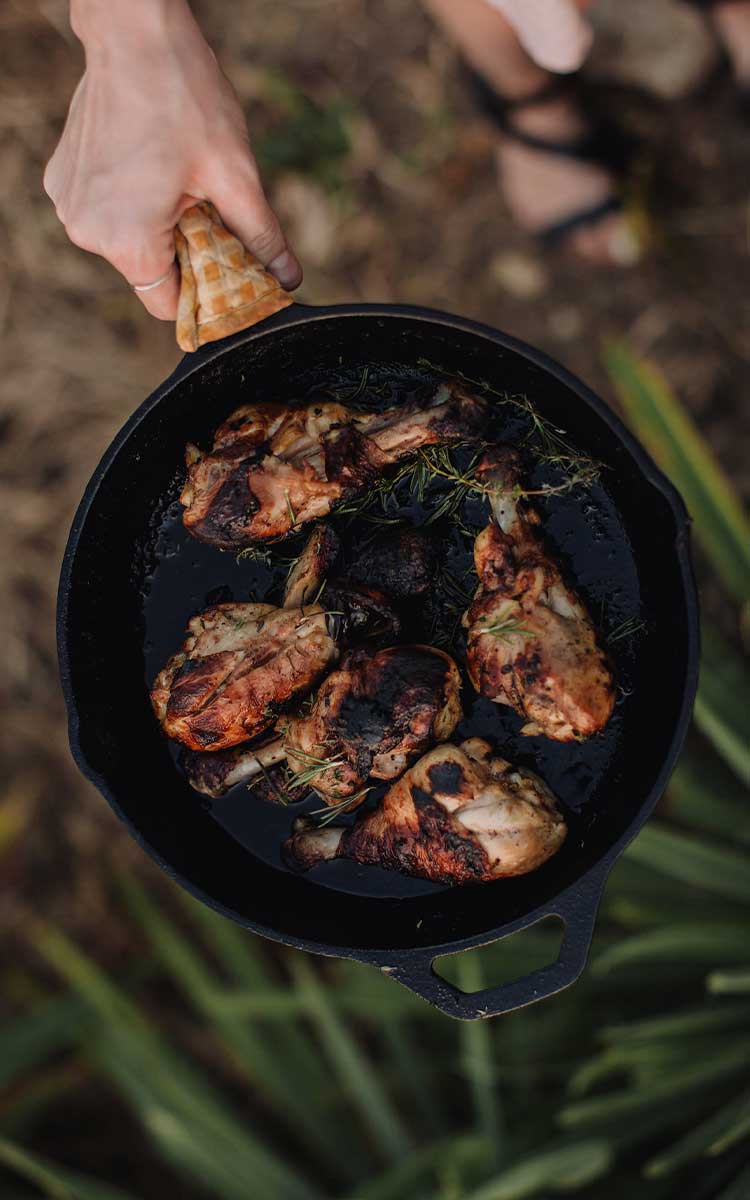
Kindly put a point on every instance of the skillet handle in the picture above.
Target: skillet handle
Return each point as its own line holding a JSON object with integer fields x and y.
{"x": 577, "y": 908}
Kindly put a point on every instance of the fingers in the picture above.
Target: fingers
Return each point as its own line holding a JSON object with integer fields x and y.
{"x": 161, "y": 299}
{"x": 244, "y": 209}
{"x": 552, "y": 32}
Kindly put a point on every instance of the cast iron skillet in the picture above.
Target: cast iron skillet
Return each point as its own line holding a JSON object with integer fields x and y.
{"x": 131, "y": 577}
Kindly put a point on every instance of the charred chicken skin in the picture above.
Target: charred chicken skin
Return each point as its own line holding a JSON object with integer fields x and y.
{"x": 272, "y": 469}
{"x": 370, "y": 719}
{"x": 459, "y": 815}
{"x": 239, "y": 667}
{"x": 531, "y": 642}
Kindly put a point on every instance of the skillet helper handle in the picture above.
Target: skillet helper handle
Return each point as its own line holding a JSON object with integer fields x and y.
{"x": 223, "y": 287}
{"x": 577, "y": 908}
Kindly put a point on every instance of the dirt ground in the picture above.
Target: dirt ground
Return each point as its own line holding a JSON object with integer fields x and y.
{"x": 384, "y": 177}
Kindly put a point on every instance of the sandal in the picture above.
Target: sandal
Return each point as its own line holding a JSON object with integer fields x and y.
{"x": 604, "y": 145}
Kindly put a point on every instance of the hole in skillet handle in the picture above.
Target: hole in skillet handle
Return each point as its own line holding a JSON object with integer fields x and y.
{"x": 577, "y": 908}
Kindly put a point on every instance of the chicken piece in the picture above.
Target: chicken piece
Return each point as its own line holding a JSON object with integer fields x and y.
{"x": 374, "y": 714}
{"x": 370, "y": 718}
{"x": 308, "y": 574}
{"x": 459, "y": 815}
{"x": 403, "y": 564}
{"x": 272, "y": 469}
{"x": 239, "y": 667}
{"x": 357, "y": 613}
{"x": 531, "y": 642}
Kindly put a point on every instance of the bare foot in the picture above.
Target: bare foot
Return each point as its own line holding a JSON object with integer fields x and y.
{"x": 542, "y": 188}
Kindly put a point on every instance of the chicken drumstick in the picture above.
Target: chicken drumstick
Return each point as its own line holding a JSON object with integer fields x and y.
{"x": 531, "y": 642}
{"x": 459, "y": 815}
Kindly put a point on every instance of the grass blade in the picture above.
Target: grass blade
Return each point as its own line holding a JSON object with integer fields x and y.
{"x": 677, "y": 446}
{"x": 690, "y": 859}
{"x": 729, "y": 982}
{"x": 56, "y": 1182}
{"x": 395, "y": 1183}
{"x": 674, "y": 1085}
{"x": 38, "y": 1035}
{"x": 245, "y": 962}
{"x": 701, "y": 1139}
{"x": 715, "y": 1019}
{"x": 705, "y": 795}
{"x": 186, "y": 1118}
{"x": 478, "y": 1060}
{"x": 723, "y": 702}
{"x": 702, "y": 944}
{"x": 255, "y": 1051}
{"x": 562, "y": 1170}
{"x": 739, "y": 1188}
{"x": 355, "y": 1072}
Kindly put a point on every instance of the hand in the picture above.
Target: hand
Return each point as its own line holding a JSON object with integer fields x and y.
{"x": 552, "y": 32}
{"x": 153, "y": 125}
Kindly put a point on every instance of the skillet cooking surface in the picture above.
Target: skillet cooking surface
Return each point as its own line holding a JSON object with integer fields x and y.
{"x": 139, "y": 576}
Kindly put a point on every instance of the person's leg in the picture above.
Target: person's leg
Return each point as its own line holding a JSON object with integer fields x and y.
{"x": 732, "y": 19}
{"x": 540, "y": 187}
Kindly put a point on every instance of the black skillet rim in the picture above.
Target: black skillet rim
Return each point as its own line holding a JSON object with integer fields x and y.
{"x": 579, "y": 901}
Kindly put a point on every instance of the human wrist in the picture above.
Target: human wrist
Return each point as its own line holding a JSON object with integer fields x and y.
{"x": 102, "y": 25}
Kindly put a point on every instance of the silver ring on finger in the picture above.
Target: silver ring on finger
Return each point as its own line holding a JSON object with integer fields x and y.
{"x": 147, "y": 287}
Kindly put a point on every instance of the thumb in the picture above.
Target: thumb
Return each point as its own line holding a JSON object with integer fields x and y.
{"x": 553, "y": 32}
{"x": 245, "y": 211}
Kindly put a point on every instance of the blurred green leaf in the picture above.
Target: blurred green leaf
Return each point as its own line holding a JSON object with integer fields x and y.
{"x": 399, "y": 1181}
{"x": 307, "y": 136}
{"x": 702, "y": 1139}
{"x": 703, "y": 944}
{"x": 704, "y": 794}
{"x": 694, "y": 860}
{"x": 54, "y": 1181}
{"x": 723, "y": 703}
{"x": 738, "y": 1189}
{"x": 562, "y": 1170}
{"x": 187, "y": 1119}
{"x": 674, "y": 442}
{"x": 478, "y": 1061}
{"x": 729, "y": 982}
{"x": 52, "y": 1026}
{"x": 675, "y": 1085}
{"x": 282, "y": 1082}
{"x": 357, "y": 1074}
{"x": 681, "y": 1025}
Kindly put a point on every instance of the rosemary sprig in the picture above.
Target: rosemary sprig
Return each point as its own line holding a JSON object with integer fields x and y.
{"x": 255, "y": 554}
{"x": 331, "y": 811}
{"x": 505, "y": 629}
{"x": 547, "y": 441}
{"x": 507, "y": 626}
{"x": 626, "y": 629}
{"x": 312, "y": 767}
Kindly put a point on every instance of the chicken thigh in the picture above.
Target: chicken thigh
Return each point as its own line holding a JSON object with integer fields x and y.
{"x": 459, "y": 815}
{"x": 273, "y": 469}
{"x": 240, "y": 666}
{"x": 531, "y": 642}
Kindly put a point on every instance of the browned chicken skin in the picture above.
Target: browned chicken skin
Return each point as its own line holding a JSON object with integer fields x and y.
{"x": 370, "y": 718}
{"x": 273, "y": 469}
{"x": 459, "y": 815}
{"x": 239, "y": 667}
{"x": 531, "y": 642}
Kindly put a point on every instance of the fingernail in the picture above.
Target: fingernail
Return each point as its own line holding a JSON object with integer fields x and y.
{"x": 286, "y": 269}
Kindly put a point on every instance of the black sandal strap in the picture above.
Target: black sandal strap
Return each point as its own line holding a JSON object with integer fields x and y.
{"x": 605, "y": 144}
{"x": 587, "y": 216}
